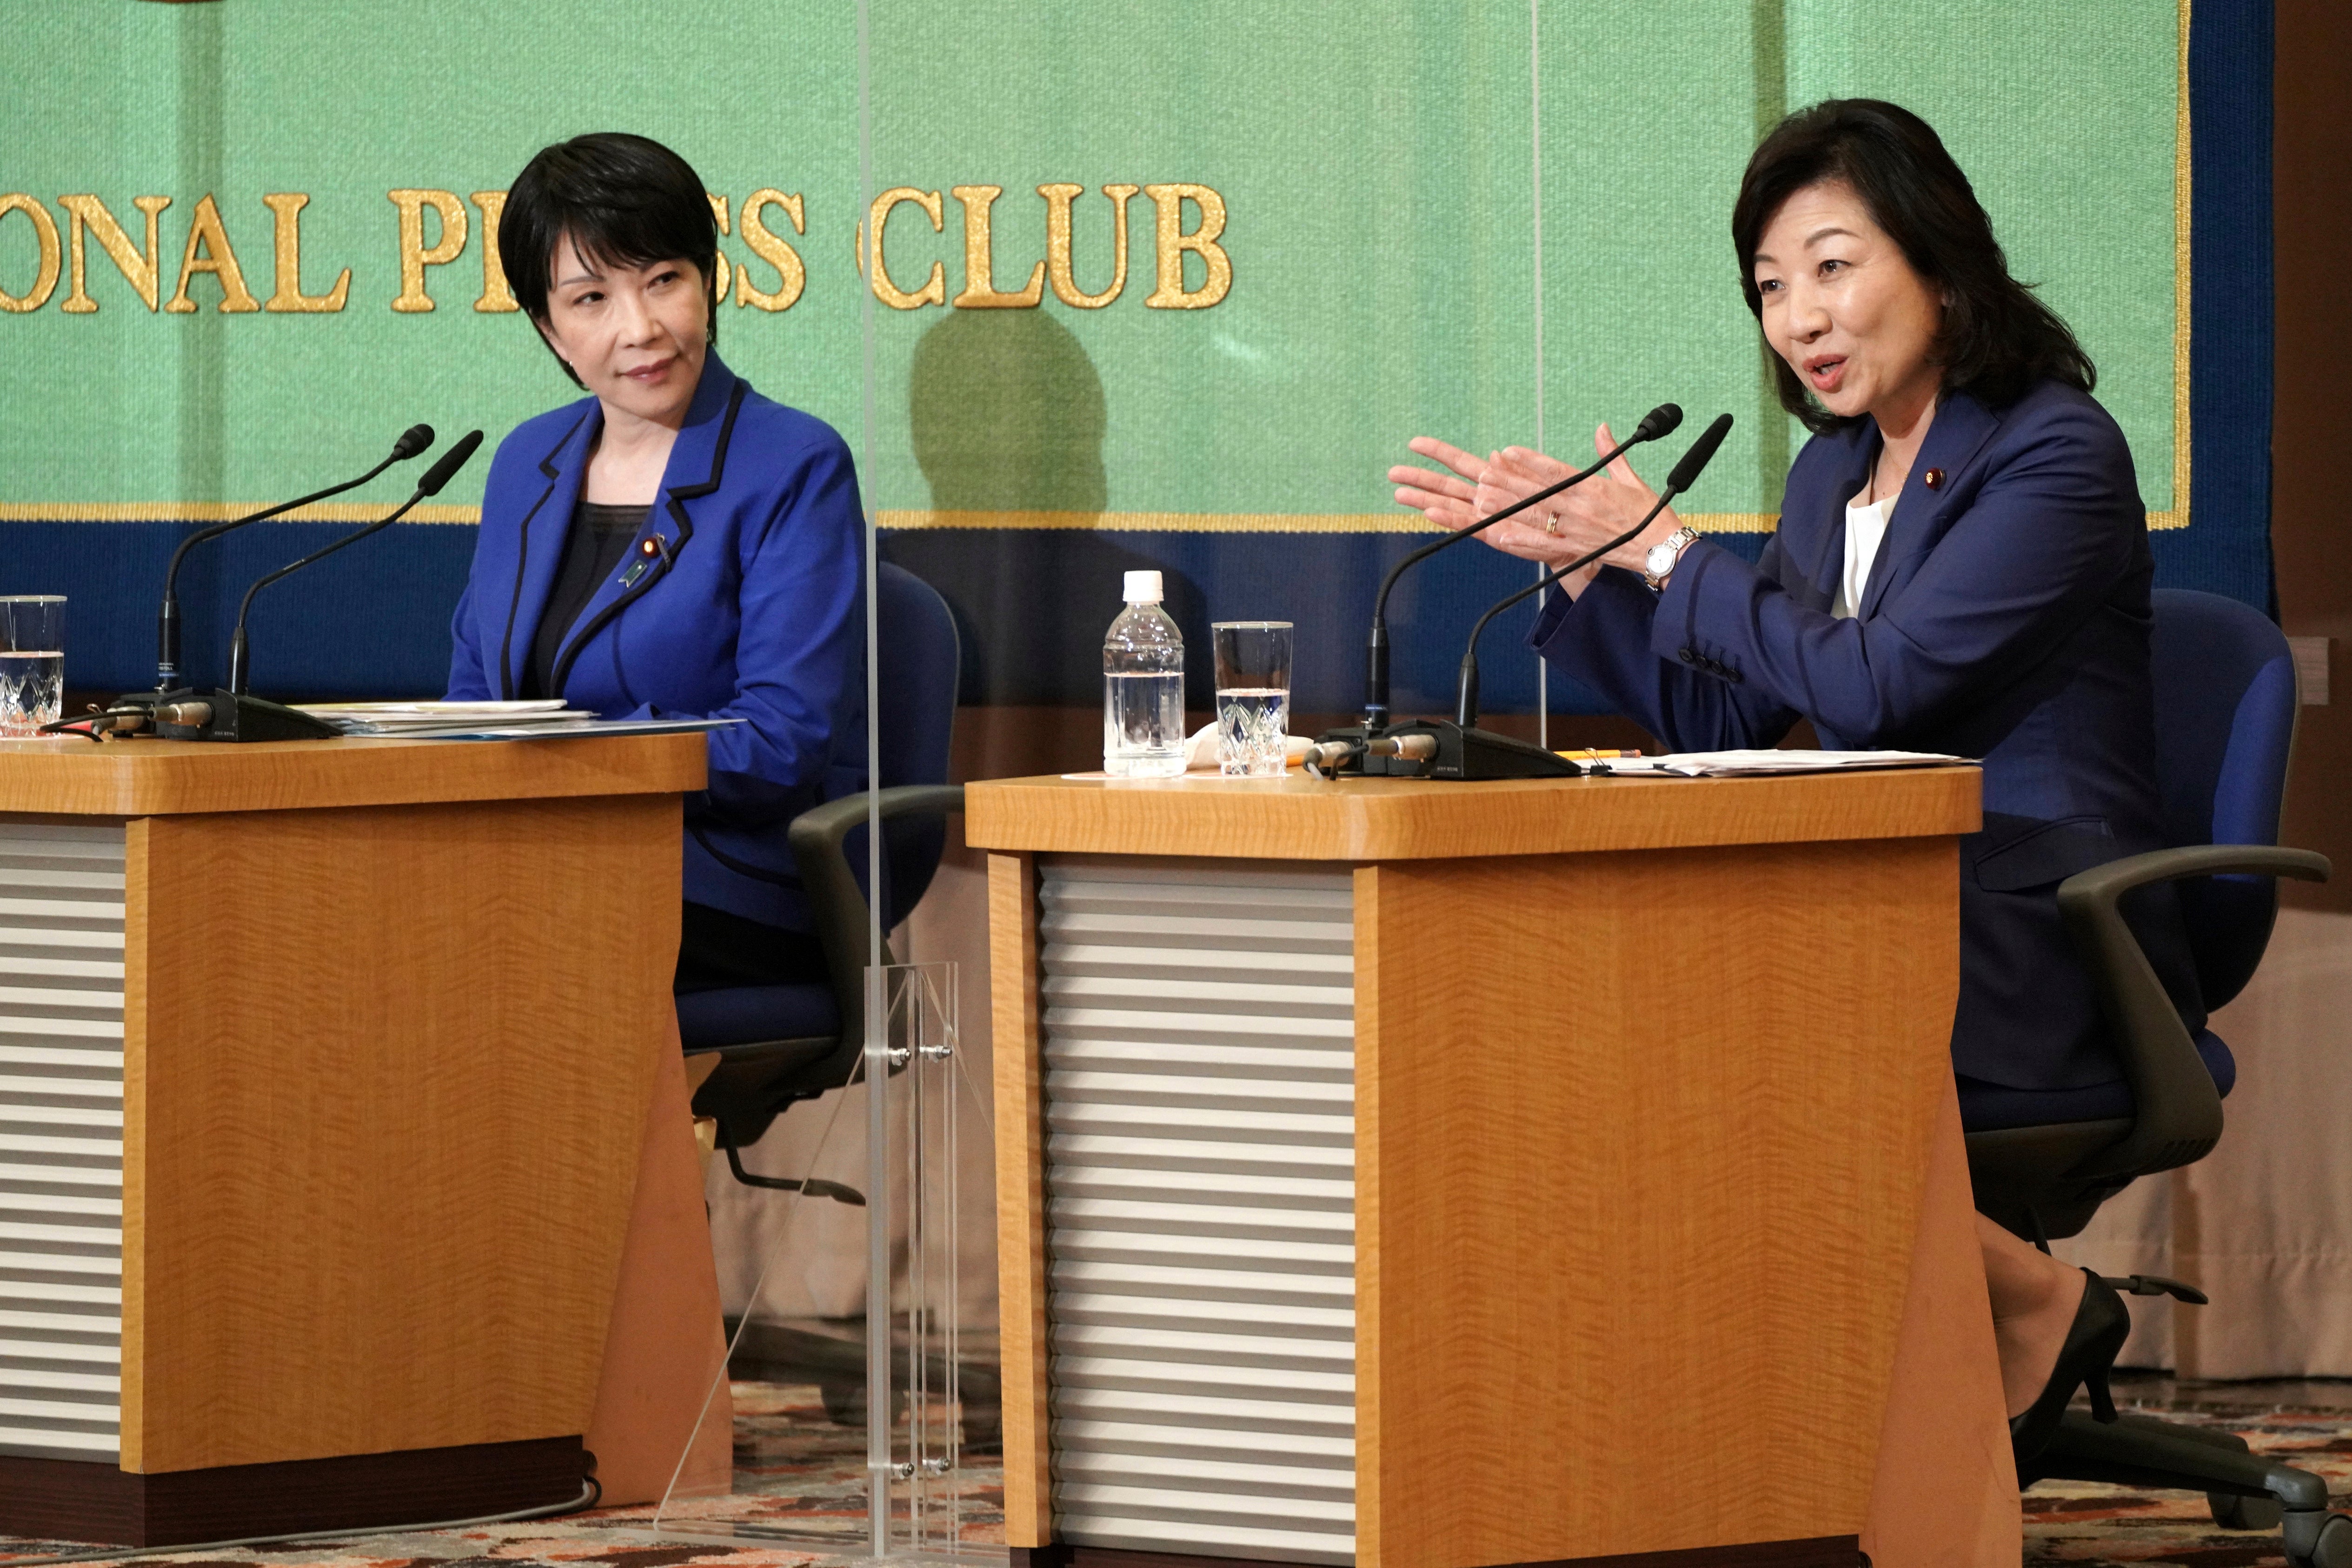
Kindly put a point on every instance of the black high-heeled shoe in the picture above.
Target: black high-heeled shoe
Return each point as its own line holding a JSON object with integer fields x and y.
{"x": 2095, "y": 1338}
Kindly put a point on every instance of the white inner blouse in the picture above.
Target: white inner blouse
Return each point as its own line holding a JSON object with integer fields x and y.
{"x": 1865, "y": 531}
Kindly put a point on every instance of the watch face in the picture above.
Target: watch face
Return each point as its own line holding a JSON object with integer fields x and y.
{"x": 1661, "y": 558}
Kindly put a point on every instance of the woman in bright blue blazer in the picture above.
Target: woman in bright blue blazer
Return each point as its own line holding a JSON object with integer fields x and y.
{"x": 674, "y": 545}
{"x": 1961, "y": 565}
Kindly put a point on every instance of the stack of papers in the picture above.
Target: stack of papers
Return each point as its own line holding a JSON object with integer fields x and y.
{"x": 423, "y": 718}
{"x": 1757, "y": 764}
{"x": 547, "y": 719}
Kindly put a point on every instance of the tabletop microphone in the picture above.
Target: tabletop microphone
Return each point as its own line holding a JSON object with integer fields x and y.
{"x": 231, "y": 713}
{"x": 439, "y": 474}
{"x": 413, "y": 440}
{"x": 1659, "y": 421}
{"x": 1684, "y": 474}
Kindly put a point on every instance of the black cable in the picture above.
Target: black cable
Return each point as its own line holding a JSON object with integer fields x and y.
{"x": 590, "y": 1494}
{"x": 66, "y": 726}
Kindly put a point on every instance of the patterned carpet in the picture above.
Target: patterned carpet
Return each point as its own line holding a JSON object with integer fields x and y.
{"x": 799, "y": 1502}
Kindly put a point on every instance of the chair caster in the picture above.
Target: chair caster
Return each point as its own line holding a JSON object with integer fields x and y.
{"x": 2316, "y": 1539}
{"x": 2231, "y": 1511}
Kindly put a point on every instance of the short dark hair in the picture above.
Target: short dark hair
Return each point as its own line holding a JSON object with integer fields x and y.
{"x": 1997, "y": 339}
{"x": 625, "y": 200}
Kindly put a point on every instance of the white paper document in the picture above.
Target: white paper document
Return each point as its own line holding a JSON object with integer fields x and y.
{"x": 542, "y": 719}
{"x": 1758, "y": 764}
{"x": 413, "y": 717}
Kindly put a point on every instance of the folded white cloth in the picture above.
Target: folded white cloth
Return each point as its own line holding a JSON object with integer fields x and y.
{"x": 1201, "y": 751}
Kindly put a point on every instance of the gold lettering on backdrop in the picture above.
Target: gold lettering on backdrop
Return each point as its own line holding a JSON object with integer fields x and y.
{"x": 285, "y": 215}
{"x": 721, "y": 272}
{"x": 144, "y": 272}
{"x": 45, "y": 230}
{"x": 204, "y": 228}
{"x": 777, "y": 252}
{"x": 934, "y": 290}
{"x": 1174, "y": 242}
{"x": 980, "y": 293}
{"x": 1057, "y": 244}
{"x": 496, "y": 297}
{"x": 415, "y": 255}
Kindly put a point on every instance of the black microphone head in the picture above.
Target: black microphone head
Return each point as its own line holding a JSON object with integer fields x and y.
{"x": 1685, "y": 472}
{"x": 455, "y": 458}
{"x": 1659, "y": 421}
{"x": 413, "y": 440}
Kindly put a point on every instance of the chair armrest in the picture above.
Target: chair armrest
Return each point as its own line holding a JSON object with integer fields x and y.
{"x": 817, "y": 837}
{"x": 2178, "y": 1111}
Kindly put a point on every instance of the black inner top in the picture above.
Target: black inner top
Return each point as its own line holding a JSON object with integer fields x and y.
{"x": 600, "y": 536}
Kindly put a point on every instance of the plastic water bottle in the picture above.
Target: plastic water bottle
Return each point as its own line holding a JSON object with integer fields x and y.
{"x": 1144, "y": 686}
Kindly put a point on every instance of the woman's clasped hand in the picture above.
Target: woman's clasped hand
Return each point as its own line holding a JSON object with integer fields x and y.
{"x": 1575, "y": 522}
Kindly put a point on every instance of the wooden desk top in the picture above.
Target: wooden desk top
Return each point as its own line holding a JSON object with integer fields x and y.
{"x": 69, "y": 776}
{"x": 1299, "y": 819}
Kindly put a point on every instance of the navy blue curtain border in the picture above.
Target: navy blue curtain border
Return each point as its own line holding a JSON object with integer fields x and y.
{"x": 2226, "y": 548}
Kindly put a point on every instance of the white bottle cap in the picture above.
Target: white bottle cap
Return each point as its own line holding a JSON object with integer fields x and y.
{"x": 1143, "y": 588}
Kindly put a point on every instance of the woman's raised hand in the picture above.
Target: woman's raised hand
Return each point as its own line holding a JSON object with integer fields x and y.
{"x": 1578, "y": 520}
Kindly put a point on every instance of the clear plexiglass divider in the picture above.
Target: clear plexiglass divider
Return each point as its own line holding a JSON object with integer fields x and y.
{"x": 849, "y": 1434}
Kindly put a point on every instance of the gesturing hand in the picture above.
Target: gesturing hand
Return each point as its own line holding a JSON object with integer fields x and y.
{"x": 1578, "y": 520}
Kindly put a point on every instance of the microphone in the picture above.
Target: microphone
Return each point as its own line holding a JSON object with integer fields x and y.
{"x": 1684, "y": 474}
{"x": 439, "y": 475}
{"x": 413, "y": 440}
{"x": 1659, "y": 421}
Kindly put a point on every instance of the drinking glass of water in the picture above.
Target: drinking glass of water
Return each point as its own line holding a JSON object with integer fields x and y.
{"x": 1253, "y": 695}
{"x": 32, "y": 662}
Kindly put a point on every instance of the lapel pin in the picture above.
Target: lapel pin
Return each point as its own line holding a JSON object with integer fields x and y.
{"x": 1934, "y": 479}
{"x": 653, "y": 547}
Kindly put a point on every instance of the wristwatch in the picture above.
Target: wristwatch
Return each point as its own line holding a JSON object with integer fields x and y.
{"x": 1659, "y": 564}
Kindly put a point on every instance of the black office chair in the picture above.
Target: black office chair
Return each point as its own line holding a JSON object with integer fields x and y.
{"x": 776, "y": 1045}
{"x": 2044, "y": 1163}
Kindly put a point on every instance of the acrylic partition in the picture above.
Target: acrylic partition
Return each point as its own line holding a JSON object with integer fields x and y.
{"x": 811, "y": 1465}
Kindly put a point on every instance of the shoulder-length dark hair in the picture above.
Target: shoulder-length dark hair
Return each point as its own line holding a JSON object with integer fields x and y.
{"x": 625, "y": 200}
{"x": 1997, "y": 339}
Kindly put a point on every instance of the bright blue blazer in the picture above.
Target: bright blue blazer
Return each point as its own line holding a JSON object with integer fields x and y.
{"x": 749, "y": 605}
{"x": 2006, "y": 618}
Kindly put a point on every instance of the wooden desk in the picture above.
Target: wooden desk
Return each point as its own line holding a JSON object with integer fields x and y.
{"x": 1430, "y": 1175}
{"x": 324, "y": 1070}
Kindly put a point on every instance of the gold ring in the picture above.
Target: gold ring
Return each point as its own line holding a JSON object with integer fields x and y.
{"x": 1551, "y": 526}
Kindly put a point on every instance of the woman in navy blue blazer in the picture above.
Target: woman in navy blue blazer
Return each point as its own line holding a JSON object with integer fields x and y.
{"x": 1961, "y": 565}
{"x": 673, "y": 545}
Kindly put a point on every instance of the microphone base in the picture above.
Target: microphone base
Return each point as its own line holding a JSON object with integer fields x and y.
{"x": 1462, "y": 753}
{"x": 236, "y": 716}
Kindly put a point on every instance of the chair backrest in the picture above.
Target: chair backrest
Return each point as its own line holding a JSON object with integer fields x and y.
{"x": 918, "y": 672}
{"x": 2225, "y": 714}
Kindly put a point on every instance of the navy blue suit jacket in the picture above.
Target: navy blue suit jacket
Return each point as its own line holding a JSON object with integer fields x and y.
{"x": 2006, "y": 618}
{"x": 750, "y": 606}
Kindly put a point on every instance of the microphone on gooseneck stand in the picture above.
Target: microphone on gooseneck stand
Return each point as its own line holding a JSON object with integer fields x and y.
{"x": 230, "y": 713}
{"x": 1357, "y": 747}
{"x": 1458, "y": 749}
{"x": 439, "y": 475}
{"x": 413, "y": 440}
{"x": 1659, "y": 421}
{"x": 1685, "y": 474}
